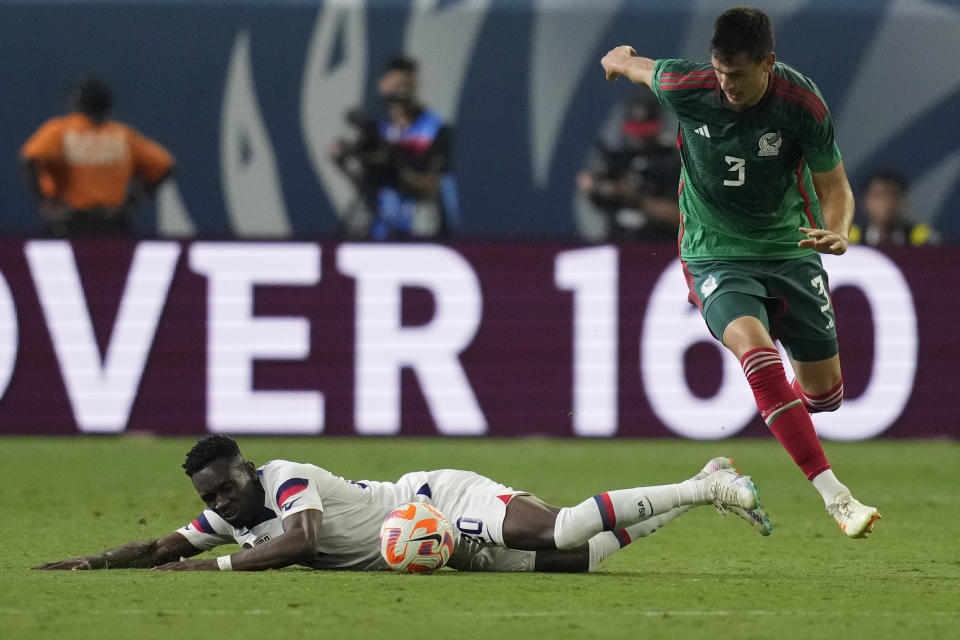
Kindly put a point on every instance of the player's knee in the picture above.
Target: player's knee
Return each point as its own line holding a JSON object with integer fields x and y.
{"x": 824, "y": 402}
{"x": 529, "y": 524}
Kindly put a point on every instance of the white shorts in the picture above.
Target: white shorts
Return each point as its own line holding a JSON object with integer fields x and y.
{"x": 476, "y": 506}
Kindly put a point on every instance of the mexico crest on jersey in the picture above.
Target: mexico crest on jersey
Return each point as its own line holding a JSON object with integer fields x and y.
{"x": 709, "y": 286}
{"x": 770, "y": 144}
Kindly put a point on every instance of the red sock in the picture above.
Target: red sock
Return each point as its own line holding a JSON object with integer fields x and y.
{"x": 783, "y": 410}
{"x": 829, "y": 401}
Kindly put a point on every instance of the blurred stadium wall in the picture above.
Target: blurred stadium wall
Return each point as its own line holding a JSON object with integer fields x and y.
{"x": 518, "y": 327}
{"x": 249, "y": 94}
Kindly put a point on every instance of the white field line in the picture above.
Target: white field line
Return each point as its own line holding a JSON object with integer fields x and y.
{"x": 501, "y": 614}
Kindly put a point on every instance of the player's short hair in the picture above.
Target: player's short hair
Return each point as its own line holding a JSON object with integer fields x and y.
{"x": 209, "y": 449}
{"x": 402, "y": 63}
{"x": 742, "y": 30}
{"x": 92, "y": 96}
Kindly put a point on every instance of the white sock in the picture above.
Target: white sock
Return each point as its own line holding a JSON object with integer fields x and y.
{"x": 828, "y": 486}
{"x": 602, "y": 545}
{"x": 606, "y": 543}
{"x": 620, "y": 509}
{"x": 651, "y": 525}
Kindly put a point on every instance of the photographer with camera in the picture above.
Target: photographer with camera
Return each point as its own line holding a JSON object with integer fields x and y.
{"x": 631, "y": 176}
{"x": 400, "y": 164}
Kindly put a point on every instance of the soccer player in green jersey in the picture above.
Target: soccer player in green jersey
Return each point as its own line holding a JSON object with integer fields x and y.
{"x": 762, "y": 193}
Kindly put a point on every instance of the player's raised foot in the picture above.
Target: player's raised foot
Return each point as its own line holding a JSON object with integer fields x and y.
{"x": 757, "y": 517}
{"x": 716, "y": 464}
{"x": 855, "y": 519}
{"x": 726, "y": 488}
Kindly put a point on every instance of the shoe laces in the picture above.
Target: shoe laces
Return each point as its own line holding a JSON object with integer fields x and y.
{"x": 842, "y": 508}
{"x": 724, "y": 493}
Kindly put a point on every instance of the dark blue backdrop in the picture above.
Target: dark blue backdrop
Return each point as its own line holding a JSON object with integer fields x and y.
{"x": 527, "y": 102}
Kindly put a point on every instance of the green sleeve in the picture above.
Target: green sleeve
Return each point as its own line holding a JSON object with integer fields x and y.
{"x": 658, "y": 66}
{"x": 819, "y": 145}
{"x": 668, "y": 65}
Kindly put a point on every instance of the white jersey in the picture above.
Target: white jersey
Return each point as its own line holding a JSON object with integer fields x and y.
{"x": 353, "y": 513}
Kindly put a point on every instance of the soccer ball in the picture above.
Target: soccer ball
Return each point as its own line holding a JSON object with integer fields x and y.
{"x": 416, "y": 538}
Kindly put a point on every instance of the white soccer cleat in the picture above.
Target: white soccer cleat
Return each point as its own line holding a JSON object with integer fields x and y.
{"x": 726, "y": 488}
{"x": 715, "y": 465}
{"x": 757, "y": 517}
{"x": 856, "y": 519}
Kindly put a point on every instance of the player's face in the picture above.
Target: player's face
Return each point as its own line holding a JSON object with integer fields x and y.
{"x": 742, "y": 80}
{"x": 230, "y": 489}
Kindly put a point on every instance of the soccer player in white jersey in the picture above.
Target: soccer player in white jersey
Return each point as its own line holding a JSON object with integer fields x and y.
{"x": 286, "y": 513}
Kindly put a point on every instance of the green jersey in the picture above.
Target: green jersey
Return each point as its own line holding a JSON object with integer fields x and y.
{"x": 746, "y": 185}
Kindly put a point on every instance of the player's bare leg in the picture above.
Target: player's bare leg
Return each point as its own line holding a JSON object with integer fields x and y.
{"x": 817, "y": 378}
{"x": 785, "y": 411}
{"x": 578, "y": 538}
{"x": 819, "y": 384}
{"x": 529, "y": 525}
{"x": 746, "y": 333}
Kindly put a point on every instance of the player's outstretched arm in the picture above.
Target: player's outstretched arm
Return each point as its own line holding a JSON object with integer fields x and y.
{"x": 836, "y": 203}
{"x": 624, "y": 61}
{"x": 298, "y": 543}
{"x": 132, "y": 555}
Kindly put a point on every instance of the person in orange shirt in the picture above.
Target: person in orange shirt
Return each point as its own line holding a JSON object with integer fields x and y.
{"x": 87, "y": 170}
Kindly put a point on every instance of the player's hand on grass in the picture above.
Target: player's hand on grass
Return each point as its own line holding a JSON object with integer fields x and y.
{"x": 823, "y": 241}
{"x": 187, "y": 564}
{"x": 73, "y": 564}
{"x": 613, "y": 63}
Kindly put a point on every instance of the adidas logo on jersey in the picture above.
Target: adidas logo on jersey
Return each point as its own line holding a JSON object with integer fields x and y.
{"x": 703, "y": 131}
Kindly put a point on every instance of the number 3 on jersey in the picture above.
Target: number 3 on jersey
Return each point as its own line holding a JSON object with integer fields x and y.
{"x": 738, "y": 166}
{"x": 818, "y": 284}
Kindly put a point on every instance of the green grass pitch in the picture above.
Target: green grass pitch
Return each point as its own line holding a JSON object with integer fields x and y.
{"x": 701, "y": 575}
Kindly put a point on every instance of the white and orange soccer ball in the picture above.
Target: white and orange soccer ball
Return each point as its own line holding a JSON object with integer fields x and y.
{"x": 416, "y": 538}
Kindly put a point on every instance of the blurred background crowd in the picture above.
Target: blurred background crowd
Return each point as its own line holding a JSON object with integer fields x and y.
{"x": 358, "y": 121}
